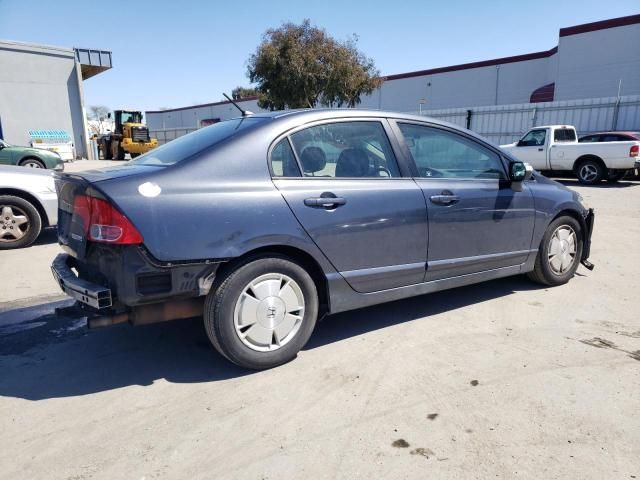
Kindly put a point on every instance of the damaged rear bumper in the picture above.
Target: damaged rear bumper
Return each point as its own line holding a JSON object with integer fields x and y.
{"x": 586, "y": 246}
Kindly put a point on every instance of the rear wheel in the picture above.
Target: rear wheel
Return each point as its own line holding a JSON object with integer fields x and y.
{"x": 615, "y": 175}
{"x": 32, "y": 163}
{"x": 559, "y": 253}
{"x": 135, "y": 155}
{"x": 590, "y": 172}
{"x": 20, "y": 222}
{"x": 106, "y": 150}
{"x": 262, "y": 313}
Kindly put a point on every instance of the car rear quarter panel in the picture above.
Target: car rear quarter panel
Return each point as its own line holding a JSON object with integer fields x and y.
{"x": 220, "y": 205}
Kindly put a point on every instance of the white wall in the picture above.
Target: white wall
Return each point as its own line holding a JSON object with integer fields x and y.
{"x": 39, "y": 91}
{"x": 591, "y": 64}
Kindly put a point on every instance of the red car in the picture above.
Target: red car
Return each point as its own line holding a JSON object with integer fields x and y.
{"x": 614, "y": 137}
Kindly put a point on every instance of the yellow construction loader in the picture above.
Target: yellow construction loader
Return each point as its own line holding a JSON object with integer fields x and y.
{"x": 130, "y": 135}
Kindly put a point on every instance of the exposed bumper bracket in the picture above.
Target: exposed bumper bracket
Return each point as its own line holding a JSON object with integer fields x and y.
{"x": 91, "y": 294}
{"x": 586, "y": 248}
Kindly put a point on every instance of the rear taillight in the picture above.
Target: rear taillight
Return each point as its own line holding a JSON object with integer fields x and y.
{"x": 633, "y": 151}
{"x": 103, "y": 223}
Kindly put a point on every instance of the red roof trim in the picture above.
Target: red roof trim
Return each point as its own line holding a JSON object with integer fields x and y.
{"x": 225, "y": 102}
{"x": 484, "y": 63}
{"x": 601, "y": 25}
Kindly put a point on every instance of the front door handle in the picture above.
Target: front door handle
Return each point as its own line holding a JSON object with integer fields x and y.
{"x": 445, "y": 198}
{"x": 325, "y": 202}
{"x": 540, "y": 149}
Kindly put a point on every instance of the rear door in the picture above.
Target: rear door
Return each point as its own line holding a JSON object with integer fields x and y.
{"x": 343, "y": 183}
{"x": 476, "y": 221}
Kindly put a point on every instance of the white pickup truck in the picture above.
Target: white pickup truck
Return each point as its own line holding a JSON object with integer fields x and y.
{"x": 555, "y": 148}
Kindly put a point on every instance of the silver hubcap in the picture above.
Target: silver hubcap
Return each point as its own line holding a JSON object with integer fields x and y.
{"x": 588, "y": 173}
{"x": 562, "y": 249}
{"x": 14, "y": 223}
{"x": 269, "y": 312}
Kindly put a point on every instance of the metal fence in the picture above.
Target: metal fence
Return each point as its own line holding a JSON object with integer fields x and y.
{"x": 506, "y": 123}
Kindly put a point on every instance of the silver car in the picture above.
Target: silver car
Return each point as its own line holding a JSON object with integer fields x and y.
{"x": 28, "y": 203}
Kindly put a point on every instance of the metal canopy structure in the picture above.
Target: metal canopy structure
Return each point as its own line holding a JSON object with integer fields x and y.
{"x": 92, "y": 62}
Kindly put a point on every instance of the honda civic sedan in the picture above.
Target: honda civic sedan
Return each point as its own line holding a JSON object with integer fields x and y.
{"x": 266, "y": 223}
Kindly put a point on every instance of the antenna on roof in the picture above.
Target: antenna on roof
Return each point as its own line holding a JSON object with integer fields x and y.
{"x": 244, "y": 112}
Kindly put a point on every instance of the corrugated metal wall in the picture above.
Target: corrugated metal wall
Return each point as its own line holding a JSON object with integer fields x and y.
{"x": 506, "y": 123}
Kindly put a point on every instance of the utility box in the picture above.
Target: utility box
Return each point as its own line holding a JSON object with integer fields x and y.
{"x": 57, "y": 141}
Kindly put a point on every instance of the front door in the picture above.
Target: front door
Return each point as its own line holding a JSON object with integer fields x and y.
{"x": 532, "y": 149}
{"x": 5, "y": 154}
{"x": 476, "y": 221}
{"x": 344, "y": 186}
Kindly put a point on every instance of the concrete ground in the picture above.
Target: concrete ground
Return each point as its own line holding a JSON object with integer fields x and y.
{"x": 499, "y": 380}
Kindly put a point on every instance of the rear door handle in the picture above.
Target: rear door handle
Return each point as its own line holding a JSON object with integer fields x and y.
{"x": 325, "y": 202}
{"x": 444, "y": 199}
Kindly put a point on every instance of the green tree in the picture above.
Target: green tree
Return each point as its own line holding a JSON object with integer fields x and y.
{"x": 300, "y": 66}
{"x": 239, "y": 93}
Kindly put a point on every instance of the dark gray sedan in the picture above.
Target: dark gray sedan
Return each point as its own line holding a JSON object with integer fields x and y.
{"x": 266, "y": 223}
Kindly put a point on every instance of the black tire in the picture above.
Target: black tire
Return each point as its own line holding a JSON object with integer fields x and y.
{"x": 120, "y": 153}
{"x": 221, "y": 303}
{"x": 590, "y": 172}
{"x": 32, "y": 162}
{"x": 19, "y": 206}
{"x": 543, "y": 272}
{"x": 615, "y": 175}
{"x": 106, "y": 148}
{"x": 134, "y": 155}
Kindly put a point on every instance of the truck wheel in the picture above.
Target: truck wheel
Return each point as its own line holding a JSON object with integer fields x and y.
{"x": 589, "y": 172}
{"x": 615, "y": 175}
{"x": 559, "y": 253}
{"x": 262, "y": 313}
{"x": 120, "y": 153}
{"x": 106, "y": 149}
{"x": 134, "y": 155}
{"x": 20, "y": 222}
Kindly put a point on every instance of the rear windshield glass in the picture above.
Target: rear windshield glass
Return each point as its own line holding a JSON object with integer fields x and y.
{"x": 188, "y": 145}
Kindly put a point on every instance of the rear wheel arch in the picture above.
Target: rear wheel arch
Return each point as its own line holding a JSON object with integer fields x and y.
{"x": 585, "y": 158}
{"x": 297, "y": 255}
{"x": 31, "y": 199}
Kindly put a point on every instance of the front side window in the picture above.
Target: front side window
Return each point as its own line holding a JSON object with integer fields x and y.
{"x": 535, "y": 138}
{"x": 345, "y": 149}
{"x": 564, "y": 135}
{"x": 441, "y": 154}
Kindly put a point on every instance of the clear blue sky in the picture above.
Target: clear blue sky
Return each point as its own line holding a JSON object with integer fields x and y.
{"x": 178, "y": 53}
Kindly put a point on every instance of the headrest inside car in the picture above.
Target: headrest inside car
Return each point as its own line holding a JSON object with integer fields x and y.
{"x": 313, "y": 160}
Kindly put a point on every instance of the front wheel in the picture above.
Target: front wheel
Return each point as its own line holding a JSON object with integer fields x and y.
{"x": 32, "y": 163}
{"x": 262, "y": 313}
{"x": 559, "y": 253}
{"x": 20, "y": 222}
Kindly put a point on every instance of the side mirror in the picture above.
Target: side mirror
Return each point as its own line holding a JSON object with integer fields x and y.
{"x": 521, "y": 143}
{"x": 519, "y": 172}
{"x": 109, "y": 115}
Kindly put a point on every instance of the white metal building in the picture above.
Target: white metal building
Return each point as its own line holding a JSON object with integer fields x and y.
{"x": 594, "y": 60}
{"x": 41, "y": 90}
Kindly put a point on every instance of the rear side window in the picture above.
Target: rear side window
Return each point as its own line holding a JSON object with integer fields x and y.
{"x": 438, "y": 153}
{"x": 345, "y": 149}
{"x": 564, "y": 135}
{"x": 188, "y": 145}
{"x": 283, "y": 162}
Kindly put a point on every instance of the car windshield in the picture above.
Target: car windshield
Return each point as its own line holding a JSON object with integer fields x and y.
{"x": 195, "y": 142}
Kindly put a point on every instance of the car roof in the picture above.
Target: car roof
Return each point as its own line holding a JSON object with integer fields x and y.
{"x": 614, "y": 132}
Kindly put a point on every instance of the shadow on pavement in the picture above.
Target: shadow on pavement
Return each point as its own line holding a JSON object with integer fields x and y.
{"x": 47, "y": 237}
{"x": 57, "y": 357}
{"x": 573, "y": 183}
